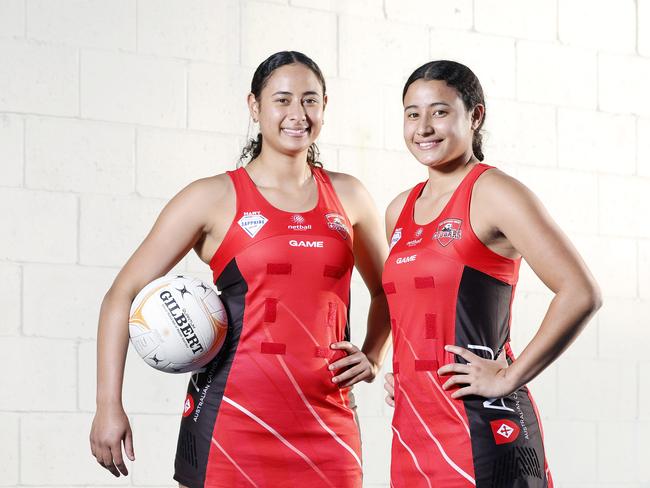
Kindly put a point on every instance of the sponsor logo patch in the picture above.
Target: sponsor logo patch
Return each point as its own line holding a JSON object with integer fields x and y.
{"x": 407, "y": 259}
{"x": 504, "y": 431}
{"x": 337, "y": 222}
{"x": 298, "y": 223}
{"x": 188, "y": 407}
{"x": 296, "y": 243}
{"x": 448, "y": 230}
{"x": 252, "y": 222}
{"x": 397, "y": 235}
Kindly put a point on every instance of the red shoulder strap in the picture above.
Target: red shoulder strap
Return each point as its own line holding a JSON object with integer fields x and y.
{"x": 406, "y": 215}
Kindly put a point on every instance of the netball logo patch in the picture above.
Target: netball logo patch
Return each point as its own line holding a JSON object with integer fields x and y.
{"x": 448, "y": 230}
{"x": 337, "y": 222}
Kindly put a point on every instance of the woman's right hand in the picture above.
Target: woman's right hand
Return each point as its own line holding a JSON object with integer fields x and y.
{"x": 110, "y": 429}
{"x": 389, "y": 386}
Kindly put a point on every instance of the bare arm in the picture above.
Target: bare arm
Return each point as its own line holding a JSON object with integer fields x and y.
{"x": 370, "y": 252}
{"x": 518, "y": 215}
{"x": 180, "y": 226}
{"x": 392, "y": 214}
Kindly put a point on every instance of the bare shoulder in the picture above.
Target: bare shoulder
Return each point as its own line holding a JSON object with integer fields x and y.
{"x": 205, "y": 200}
{"x": 212, "y": 188}
{"x": 354, "y": 196}
{"x": 345, "y": 183}
{"x": 497, "y": 189}
{"x": 397, "y": 204}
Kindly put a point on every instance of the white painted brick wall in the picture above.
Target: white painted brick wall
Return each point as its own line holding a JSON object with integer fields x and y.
{"x": 133, "y": 89}
{"x": 491, "y": 58}
{"x": 169, "y": 160}
{"x": 12, "y": 18}
{"x": 38, "y": 78}
{"x": 11, "y": 150}
{"x": 386, "y": 49}
{"x": 39, "y": 226}
{"x": 51, "y": 308}
{"x": 202, "y": 30}
{"x": 109, "y": 108}
{"x": 70, "y": 155}
{"x": 534, "y": 19}
{"x": 9, "y": 449}
{"x": 10, "y": 298}
{"x": 598, "y": 25}
{"x": 94, "y": 23}
{"x": 556, "y": 74}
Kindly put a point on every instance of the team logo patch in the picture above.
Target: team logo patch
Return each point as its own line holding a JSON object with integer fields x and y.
{"x": 252, "y": 222}
{"x": 188, "y": 407}
{"x": 397, "y": 235}
{"x": 298, "y": 223}
{"x": 337, "y": 222}
{"x": 504, "y": 431}
{"x": 448, "y": 230}
{"x": 418, "y": 233}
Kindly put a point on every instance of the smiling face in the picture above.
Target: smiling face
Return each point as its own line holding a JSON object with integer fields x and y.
{"x": 289, "y": 109}
{"x": 437, "y": 126}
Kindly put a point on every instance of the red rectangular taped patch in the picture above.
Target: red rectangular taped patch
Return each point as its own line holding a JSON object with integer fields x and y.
{"x": 430, "y": 321}
{"x": 273, "y": 348}
{"x": 389, "y": 288}
{"x": 426, "y": 365}
{"x": 331, "y": 314}
{"x": 333, "y": 271}
{"x": 424, "y": 282}
{"x": 321, "y": 352}
{"x": 270, "y": 309}
{"x": 278, "y": 268}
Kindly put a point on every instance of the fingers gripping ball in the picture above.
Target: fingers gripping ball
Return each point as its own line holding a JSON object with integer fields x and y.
{"x": 177, "y": 324}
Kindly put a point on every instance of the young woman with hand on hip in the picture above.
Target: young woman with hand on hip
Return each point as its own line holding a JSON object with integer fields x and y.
{"x": 281, "y": 236}
{"x": 463, "y": 414}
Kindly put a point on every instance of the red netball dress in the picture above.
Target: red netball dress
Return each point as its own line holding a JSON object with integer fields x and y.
{"x": 265, "y": 412}
{"x": 444, "y": 286}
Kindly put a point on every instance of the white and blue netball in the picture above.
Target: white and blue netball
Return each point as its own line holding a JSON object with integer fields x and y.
{"x": 177, "y": 324}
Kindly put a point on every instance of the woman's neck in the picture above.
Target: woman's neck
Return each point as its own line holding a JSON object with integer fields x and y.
{"x": 274, "y": 169}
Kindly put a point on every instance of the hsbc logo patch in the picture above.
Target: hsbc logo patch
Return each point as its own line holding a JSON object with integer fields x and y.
{"x": 407, "y": 259}
{"x": 504, "y": 431}
{"x": 295, "y": 243}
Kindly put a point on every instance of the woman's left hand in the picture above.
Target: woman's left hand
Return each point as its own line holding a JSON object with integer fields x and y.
{"x": 483, "y": 377}
{"x": 357, "y": 365}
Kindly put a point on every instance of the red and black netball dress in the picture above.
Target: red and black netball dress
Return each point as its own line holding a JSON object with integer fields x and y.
{"x": 444, "y": 286}
{"x": 265, "y": 412}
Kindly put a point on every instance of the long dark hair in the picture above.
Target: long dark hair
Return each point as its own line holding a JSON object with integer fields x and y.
{"x": 253, "y": 147}
{"x": 465, "y": 82}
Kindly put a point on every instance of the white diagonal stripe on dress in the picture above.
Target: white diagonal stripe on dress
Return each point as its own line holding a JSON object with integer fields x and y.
{"x": 313, "y": 339}
{"x": 437, "y": 385}
{"x": 302, "y": 455}
{"x": 415, "y": 459}
{"x": 451, "y": 463}
{"x": 232, "y": 461}
{"x": 309, "y": 406}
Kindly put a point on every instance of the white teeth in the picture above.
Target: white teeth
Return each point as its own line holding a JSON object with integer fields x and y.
{"x": 295, "y": 132}
{"x": 428, "y": 145}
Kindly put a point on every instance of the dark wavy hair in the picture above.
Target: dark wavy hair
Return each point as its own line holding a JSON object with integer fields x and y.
{"x": 465, "y": 82}
{"x": 263, "y": 72}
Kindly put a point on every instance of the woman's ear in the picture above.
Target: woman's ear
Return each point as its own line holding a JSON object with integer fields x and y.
{"x": 253, "y": 108}
{"x": 477, "y": 116}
